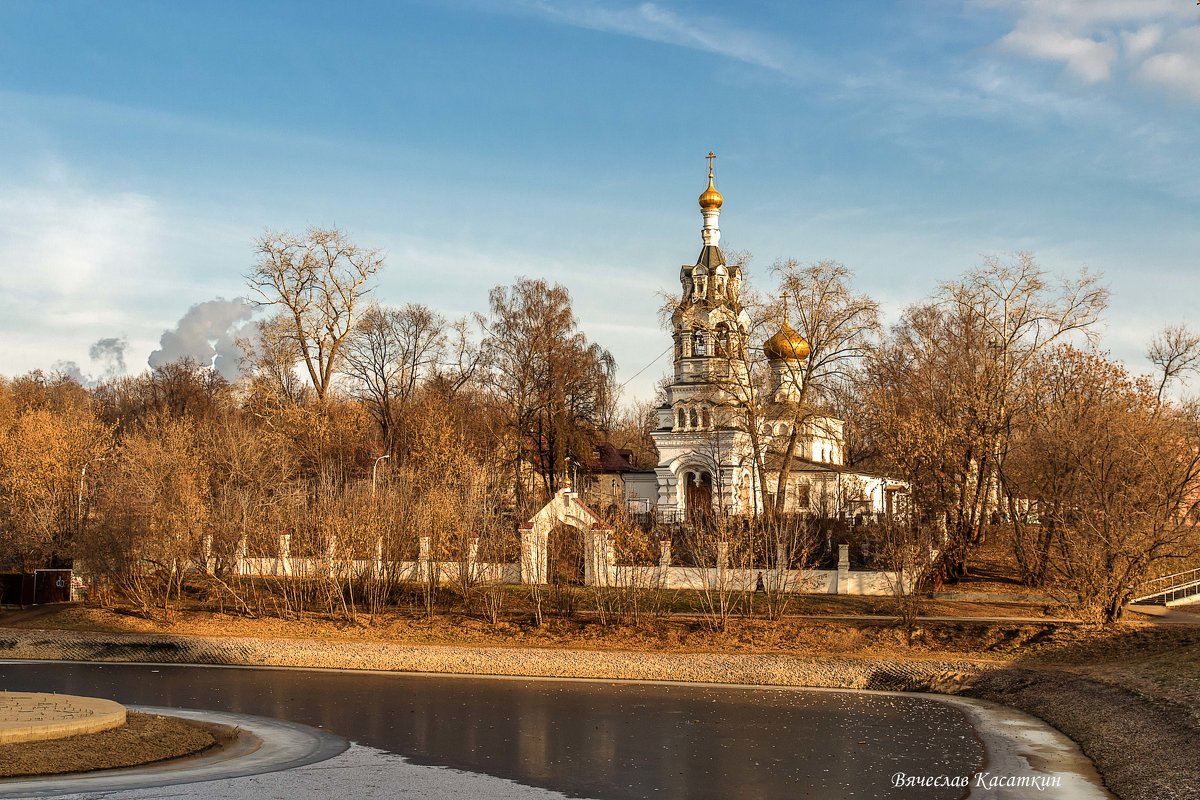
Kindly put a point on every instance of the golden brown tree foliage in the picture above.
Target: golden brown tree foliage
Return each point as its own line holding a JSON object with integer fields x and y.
{"x": 152, "y": 512}
{"x": 1115, "y": 476}
{"x": 43, "y": 493}
{"x": 944, "y": 389}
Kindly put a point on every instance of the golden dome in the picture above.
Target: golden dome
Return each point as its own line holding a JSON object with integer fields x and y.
{"x": 711, "y": 197}
{"x": 787, "y": 345}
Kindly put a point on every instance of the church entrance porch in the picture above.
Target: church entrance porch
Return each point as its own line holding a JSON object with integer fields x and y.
{"x": 698, "y": 500}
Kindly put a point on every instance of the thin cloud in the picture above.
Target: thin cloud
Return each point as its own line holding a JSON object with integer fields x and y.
{"x": 655, "y": 23}
{"x": 75, "y": 260}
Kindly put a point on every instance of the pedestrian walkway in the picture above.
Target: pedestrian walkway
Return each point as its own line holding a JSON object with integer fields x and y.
{"x": 39, "y": 716}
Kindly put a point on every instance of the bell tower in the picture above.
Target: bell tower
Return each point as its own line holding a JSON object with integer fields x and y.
{"x": 707, "y": 324}
{"x": 709, "y": 327}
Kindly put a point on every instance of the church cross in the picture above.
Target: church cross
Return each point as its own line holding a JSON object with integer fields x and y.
{"x": 711, "y": 155}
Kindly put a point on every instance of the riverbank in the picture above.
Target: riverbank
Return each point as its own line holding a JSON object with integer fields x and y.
{"x": 761, "y": 669}
{"x": 1127, "y": 694}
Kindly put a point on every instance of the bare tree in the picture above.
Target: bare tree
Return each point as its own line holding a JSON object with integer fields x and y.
{"x": 389, "y": 353}
{"x": 1175, "y": 351}
{"x": 838, "y": 325}
{"x": 905, "y": 550}
{"x": 317, "y": 281}
{"x": 552, "y": 384}
{"x": 270, "y": 357}
{"x": 945, "y": 389}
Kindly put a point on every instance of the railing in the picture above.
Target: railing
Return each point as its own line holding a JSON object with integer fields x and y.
{"x": 1169, "y": 588}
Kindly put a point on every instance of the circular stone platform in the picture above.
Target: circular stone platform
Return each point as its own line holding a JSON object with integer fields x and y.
{"x": 38, "y": 716}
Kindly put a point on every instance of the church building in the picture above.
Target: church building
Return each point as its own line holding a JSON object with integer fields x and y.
{"x": 708, "y": 459}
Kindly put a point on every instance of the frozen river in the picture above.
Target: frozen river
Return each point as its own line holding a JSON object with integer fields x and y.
{"x": 583, "y": 739}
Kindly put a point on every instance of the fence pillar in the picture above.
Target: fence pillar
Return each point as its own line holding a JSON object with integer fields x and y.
{"x": 597, "y": 567}
{"x": 610, "y": 558}
{"x": 720, "y": 575}
{"x": 843, "y": 572}
{"x": 331, "y": 557}
{"x": 206, "y": 554}
{"x": 526, "y": 556}
{"x": 283, "y": 562}
{"x": 783, "y": 563}
{"x": 664, "y": 561}
{"x": 473, "y": 559}
{"x": 533, "y": 555}
{"x": 423, "y": 565}
{"x": 377, "y": 564}
{"x": 243, "y": 548}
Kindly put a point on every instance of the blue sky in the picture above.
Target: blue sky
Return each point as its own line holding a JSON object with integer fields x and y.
{"x": 144, "y": 146}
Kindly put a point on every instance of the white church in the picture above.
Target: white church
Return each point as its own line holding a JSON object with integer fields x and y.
{"x": 706, "y": 454}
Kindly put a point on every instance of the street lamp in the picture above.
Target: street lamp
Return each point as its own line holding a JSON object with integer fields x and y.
{"x": 375, "y": 467}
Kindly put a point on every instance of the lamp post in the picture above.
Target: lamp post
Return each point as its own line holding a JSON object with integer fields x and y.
{"x": 374, "y": 468}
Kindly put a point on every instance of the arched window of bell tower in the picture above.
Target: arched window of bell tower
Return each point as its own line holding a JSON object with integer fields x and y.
{"x": 700, "y": 343}
{"x": 722, "y": 332}
{"x": 695, "y": 419}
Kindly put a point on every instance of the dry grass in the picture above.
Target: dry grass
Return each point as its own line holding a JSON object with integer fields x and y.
{"x": 144, "y": 738}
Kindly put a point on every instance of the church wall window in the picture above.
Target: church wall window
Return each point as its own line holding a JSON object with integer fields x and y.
{"x": 800, "y": 496}
{"x": 681, "y": 418}
{"x": 700, "y": 343}
{"x": 695, "y": 419}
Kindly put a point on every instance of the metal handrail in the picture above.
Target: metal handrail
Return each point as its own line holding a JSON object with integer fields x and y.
{"x": 1153, "y": 581}
{"x": 1185, "y": 589}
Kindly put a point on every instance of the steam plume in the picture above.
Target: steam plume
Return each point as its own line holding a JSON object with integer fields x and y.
{"x": 208, "y": 334}
{"x": 109, "y": 353}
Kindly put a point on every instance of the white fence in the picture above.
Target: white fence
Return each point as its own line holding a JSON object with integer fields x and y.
{"x": 600, "y": 569}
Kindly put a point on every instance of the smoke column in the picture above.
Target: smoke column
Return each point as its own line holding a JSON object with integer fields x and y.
{"x": 208, "y": 334}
